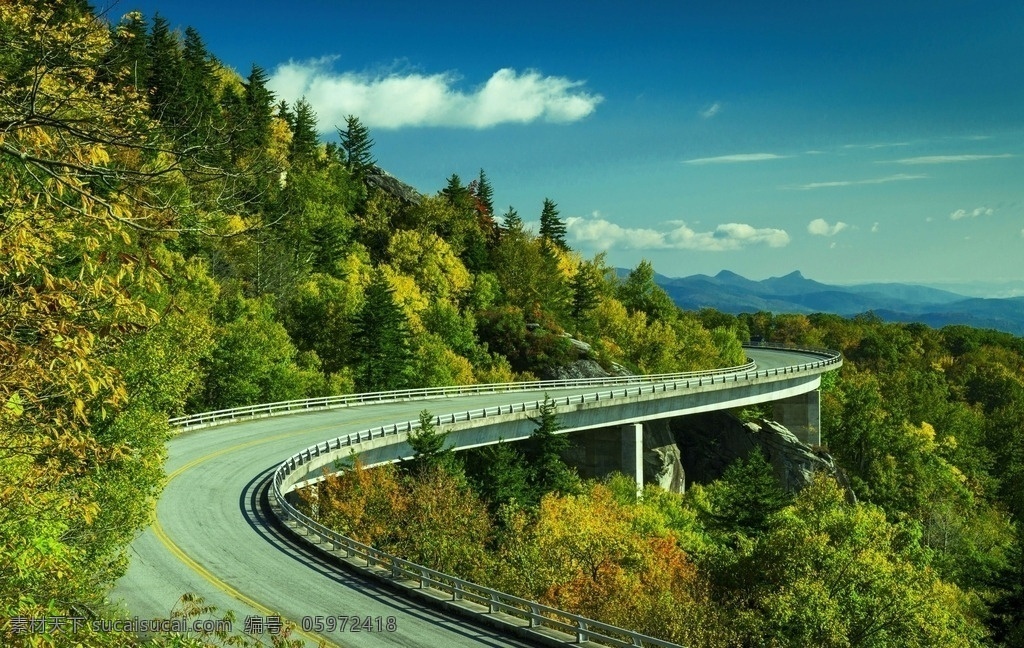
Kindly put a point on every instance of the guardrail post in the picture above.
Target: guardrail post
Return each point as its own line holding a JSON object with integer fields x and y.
{"x": 492, "y": 605}
{"x": 581, "y": 631}
{"x": 534, "y": 616}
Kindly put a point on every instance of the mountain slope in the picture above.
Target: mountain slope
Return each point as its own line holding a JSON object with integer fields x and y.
{"x": 794, "y": 293}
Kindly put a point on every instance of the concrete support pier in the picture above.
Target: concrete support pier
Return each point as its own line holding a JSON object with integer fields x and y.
{"x": 801, "y": 415}
{"x": 633, "y": 453}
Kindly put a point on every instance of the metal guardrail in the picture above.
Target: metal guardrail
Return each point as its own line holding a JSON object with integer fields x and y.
{"x": 583, "y": 628}
{"x": 245, "y": 412}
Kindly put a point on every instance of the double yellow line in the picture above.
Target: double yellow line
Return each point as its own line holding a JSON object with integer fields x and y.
{"x": 176, "y": 551}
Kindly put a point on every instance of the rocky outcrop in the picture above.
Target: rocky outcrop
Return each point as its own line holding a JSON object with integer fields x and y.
{"x": 662, "y": 458}
{"x": 582, "y": 368}
{"x": 710, "y": 442}
{"x": 389, "y": 184}
{"x": 698, "y": 449}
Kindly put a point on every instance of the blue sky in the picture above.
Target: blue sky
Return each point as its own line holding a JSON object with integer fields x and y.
{"x": 867, "y": 141}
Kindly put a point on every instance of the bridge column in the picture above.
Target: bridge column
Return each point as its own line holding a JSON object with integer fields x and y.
{"x": 801, "y": 415}
{"x": 633, "y": 453}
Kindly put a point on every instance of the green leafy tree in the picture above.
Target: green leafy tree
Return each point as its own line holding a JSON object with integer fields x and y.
{"x": 381, "y": 339}
{"x": 254, "y": 360}
{"x": 639, "y": 293}
{"x": 830, "y": 573}
{"x": 127, "y": 64}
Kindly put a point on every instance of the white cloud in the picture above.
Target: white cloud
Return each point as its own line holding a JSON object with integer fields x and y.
{"x": 874, "y": 228}
{"x": 739, "y": 157}
{"x": 414, "y": 99}
{"x": 728, "y": 236}
{"x": 820, "y": 227}
{"x": 870, "y": 181}
{"x": 948, "y": 159}
{"x": 876, "y": 146}
{"x": 711, "y": 110}
{"x": 973, "y": 213}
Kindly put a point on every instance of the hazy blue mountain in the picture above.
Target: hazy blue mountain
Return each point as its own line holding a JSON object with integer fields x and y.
{"x": 794, "y": 293}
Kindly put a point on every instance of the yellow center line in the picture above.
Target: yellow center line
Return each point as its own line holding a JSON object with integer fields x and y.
{"x": 176, "y": 551}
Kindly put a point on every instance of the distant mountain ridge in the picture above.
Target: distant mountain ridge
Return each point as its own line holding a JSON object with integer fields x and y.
{"x": 794, "y": 293}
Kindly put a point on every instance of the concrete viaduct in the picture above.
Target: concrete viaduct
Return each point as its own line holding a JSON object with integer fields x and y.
{"x": 225, "y": 529}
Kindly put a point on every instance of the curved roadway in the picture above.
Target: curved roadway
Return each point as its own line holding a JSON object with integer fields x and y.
{"x": 216, "y": 536}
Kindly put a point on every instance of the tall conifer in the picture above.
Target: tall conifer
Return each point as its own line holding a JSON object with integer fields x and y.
{"x": 356, "y": 145}
{"x": 381, "y": 341}
{"x": 304, "y": 136}
{"x": 551, "y": 226}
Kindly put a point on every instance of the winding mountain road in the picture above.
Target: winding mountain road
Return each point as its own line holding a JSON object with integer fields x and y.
{"x": 214, "y": 535}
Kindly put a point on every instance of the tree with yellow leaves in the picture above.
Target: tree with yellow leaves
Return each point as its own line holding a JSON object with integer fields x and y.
{"x": 87, "y": 197}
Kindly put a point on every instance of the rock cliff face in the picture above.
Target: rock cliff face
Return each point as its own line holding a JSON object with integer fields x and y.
{"x": 698, "y": 449}
{"x": 582, "y": 368}
{"x": 389, "y": 184}
{"x": 710, "y": 442}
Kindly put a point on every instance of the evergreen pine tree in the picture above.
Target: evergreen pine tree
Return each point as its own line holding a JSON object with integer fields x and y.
{"x": 381, "y": 340}
{"x": 127, "y": 62}
{"x": 544, "y": 454}
{"x": 501, "y": 476}
{"x": 484, "y": 193}
{"x": 746, "y": 496}
{"x": 164, "y": 75}
{"x": 202, "y": 118}
{"x": 427, "y": 444}
{"x": 458, "y": 195}
{"x": 552, "y": 228}
{"x": 259, "y": 111}
{"x": 356, "y": 144}
{"x": 284, "y": 111}
{"x": 512, "y": 220}
{"x": 304, "y": 136}
{"x": 584, "y": 294}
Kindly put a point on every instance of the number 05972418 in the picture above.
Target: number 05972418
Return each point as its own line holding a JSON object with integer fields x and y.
{"x": 349, "y": 623}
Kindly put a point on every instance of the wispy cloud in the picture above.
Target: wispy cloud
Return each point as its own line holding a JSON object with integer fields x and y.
{"x": 971, "y": 213}
{"x": 874, "y": 228}
{"x": 876, "y": 146}
{"x": 413, "y": 99}
{"x": 949, "y": 159}
{"x": 728, "y": 236}
{"x": 820, "y": 227}
{"x": 711, "y": 110}
{"x": 738, "y": 157}
{"x": 899, "y": 177}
